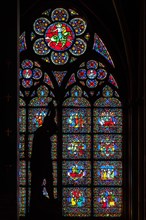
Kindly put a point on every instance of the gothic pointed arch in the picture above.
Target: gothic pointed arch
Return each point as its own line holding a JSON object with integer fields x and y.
{"x": 65, "y": 60}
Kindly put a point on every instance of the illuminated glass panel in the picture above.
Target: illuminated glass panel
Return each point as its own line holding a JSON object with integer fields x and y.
{"x": 27, "y": 83}
{"x": 54, "y": 147}
{"x": 29, "y": 174}
{"x": 92, "y": 64}
{"x": 92, "y": 74}
{"x": 22, "y": 172}
{"x": 54, "y": 173}
{"x": 107, "y": 120}
{"x": 59, "y": 76}
{"x": 59, "y": 36}
{"x": 30, "y": 140}
{"x": 32, "y": 36}
{"x": 108, "y": 173}
{"x": 21, "y": 146}
{"x": 108, "y": 146}
{"x": 112, "y": 80}
{"x": 59, "y": 14}
{"x": 108, "y": 102}
{"x": 55, "y": 192}
{"x": 47, "y": 80}
{"x": 76, "y": 173}
{"x": 107, "y": 202}
{"x": 47, "y": 12}
{"x": 76, "y": 146}
{"x": 22, "y": 201}
{"x": 22, "y": 120}
{"x": 82, "y": 148}
{"x": 27, "y": 64}
{"x": 76, "y": 102}
{"x": 71, "y": 80}
{"x": 22, "y": 102}
{"x": 40, "y": 25}
{"x": 91, "y": 83}
{"x": 82, "y": 74}
{"x": 100, "y": 47}
{"x": 101, "y": 74}
{"x": 76, "y": 202}
{"x": 59, "y": 58}
{"x": 79, "y": 47}
{"x": 36, "y": 117}
{"x": 79, "y": 25}
{"x": 73, "y": 12}
{"x": 76, "y": 120}
{"x": 41, "y": 101}
{"x": 40, "y": 47}
{"x": 22, "y": 42}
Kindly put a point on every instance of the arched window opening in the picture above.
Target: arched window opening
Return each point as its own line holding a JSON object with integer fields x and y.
{"x": 66, "y": 62}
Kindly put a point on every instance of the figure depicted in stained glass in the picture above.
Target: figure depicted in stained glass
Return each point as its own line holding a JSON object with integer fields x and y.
{"x": 107, "y": 148}
{"x": 107, "y": 172}
{"x": 76, "y": 148}
{"x": 59, "y": 36}
{"x": 107, "y": 118}
{"x": 108, "y": 199}
{"x": 76, "y": 120}
{"x": 76, "y": 172}
{"x": 108, "y": 202}
{"x": 77, "y": 198}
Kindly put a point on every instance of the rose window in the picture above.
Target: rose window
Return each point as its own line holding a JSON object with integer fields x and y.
{"x": 59, "y": 36}
{"x": 29, "y": 73}
{"x": 91, "y": 74}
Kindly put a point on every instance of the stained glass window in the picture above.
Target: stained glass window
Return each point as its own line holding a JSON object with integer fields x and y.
{"x": 59, "y": 35}
{"x": 80, "y": 79}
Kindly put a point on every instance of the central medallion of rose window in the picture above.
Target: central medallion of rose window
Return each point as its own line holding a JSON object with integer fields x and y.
{"x": 59, "y": 36}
